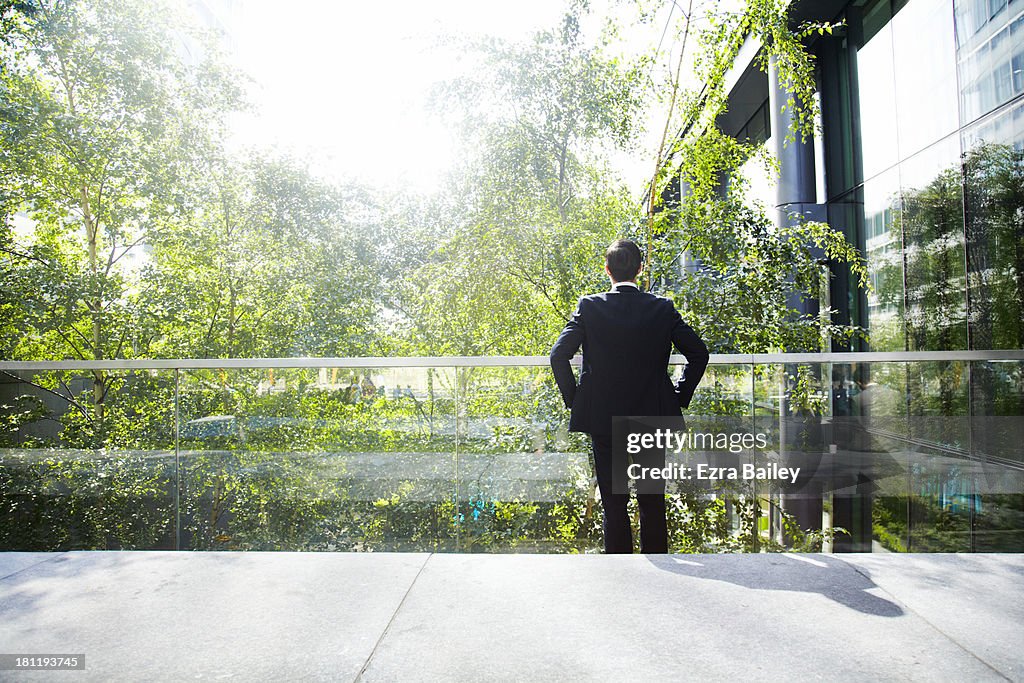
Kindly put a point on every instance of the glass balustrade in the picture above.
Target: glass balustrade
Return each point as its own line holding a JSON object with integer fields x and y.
{"x": 897, "y": 452}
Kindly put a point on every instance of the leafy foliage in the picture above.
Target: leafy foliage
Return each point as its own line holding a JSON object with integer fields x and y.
{"x": 714, "y": 248}
{"x": 148, "y": 239}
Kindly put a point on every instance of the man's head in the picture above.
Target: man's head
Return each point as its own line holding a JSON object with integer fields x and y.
{"x": 622, "y": 260}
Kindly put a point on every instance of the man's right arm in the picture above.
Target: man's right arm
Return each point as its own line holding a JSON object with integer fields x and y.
{"x": 565, "y": 348}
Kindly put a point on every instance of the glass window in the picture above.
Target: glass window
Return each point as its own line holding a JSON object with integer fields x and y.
{"x": 924, "y": 57}
{"x": 838, "y": 117}
{"x": 1017, "y": 60}
{"x": 1017, "y": 67}
{"x": 993, "y": 177}
{"x": 1002, "y": 83}
{"x": 874, "y": 17}
{"x": 882, "y": 246}
{"x": 971, "y": 15}
{"x": 988, "y": 63}
{"x": 850, "y": 302}
{"x": 974, "y": 80}
{"x": 758, "y": 128}
{"x": 933, "y": 242}
{"x": 877, "y": 102}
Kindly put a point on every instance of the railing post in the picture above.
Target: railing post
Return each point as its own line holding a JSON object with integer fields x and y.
{"x": 458, "y": 422}
{"x": 177, "y": 462}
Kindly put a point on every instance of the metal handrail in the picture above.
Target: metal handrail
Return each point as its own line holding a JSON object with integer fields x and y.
{"x": 497, "y": 361}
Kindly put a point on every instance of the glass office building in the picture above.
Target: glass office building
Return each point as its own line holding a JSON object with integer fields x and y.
{"x": 928, "y": 122}
{"x": 920, "y": 162}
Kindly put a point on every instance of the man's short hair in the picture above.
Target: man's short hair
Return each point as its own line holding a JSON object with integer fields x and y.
{"x": 623, "y": 258}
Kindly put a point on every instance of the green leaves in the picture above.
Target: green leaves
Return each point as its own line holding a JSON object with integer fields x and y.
{"x": 102, "y": 124}
{"x": 534, "y": 206}
{"x": 744, "y": 267}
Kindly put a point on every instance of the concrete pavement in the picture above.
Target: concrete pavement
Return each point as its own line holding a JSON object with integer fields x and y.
{"x": 167, "y": 616}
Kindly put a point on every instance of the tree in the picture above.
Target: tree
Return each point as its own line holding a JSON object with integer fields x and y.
{"x": 747, "y": 268}
{"x": 11, "y": 13}
{"x": 103, "y": 123}
{"x": 273, "y": 263}
{"x": 540, "y": 203}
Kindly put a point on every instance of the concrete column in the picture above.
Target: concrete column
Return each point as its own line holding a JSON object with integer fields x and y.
{"x": 796, "y": 189}
{"x": 796, "y": 185}
{"x": 795, "y": 193}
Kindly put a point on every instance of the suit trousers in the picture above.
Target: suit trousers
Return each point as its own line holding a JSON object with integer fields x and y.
{"x": 612, "y": 482}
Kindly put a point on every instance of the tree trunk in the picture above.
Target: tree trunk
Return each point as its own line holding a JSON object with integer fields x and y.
{"x": 233, "y": 299}
{"x": 94, "y": 302}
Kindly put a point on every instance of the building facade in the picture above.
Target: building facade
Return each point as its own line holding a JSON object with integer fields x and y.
{"x": 920, "y": 163}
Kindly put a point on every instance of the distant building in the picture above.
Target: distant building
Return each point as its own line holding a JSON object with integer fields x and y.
{"x": 222, "y": 17}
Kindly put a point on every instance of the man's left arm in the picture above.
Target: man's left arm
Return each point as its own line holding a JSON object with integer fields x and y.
{"x": 568, "y": 343}
{"x": 696, "y": 352}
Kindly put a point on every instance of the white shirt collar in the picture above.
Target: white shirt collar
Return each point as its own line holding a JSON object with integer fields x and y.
{"x": 625, "y": 283}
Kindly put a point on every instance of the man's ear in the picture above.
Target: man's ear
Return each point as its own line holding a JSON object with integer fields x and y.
{"x": 607, "y": 271}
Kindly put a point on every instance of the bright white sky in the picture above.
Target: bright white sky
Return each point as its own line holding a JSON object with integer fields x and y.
{"x": 345, "y": 83}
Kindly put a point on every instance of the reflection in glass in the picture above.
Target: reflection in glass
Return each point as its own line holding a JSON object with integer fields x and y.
{"x": 931, "y": 218}
{"x": 995, "y": 244}
{"x": 87, "y": 460}
{"x": 883, "y": 251}
{"x": 997, "y": 403}
{"x": 942, "y": 487}
{"x": 990, "y": 55}
{"x": 318, "y": 459}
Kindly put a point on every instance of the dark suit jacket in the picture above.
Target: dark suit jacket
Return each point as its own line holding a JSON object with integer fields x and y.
{"x": 627, "y": 337}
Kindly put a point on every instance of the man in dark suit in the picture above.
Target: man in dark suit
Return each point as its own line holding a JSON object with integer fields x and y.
{"x": 627, "y": 337}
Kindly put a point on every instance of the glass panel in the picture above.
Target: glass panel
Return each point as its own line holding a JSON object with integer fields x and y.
{"x": 525, "y": 481}
{"x": 883, "y": 249}
{"x": 318, "y": 459}
{"x": 910, "y": 429}
{"x": 793, "y": 402}
{"x": 721, "y": 515}
{"x": 997, "y": 404}
{"x": 933, "y": 248}
{"x": 924, "y": 54}
{"x": 942, "y": 481}
{"x": 87, "y": 460}
{"x": 919, "y": 456}
{"x": 994, "y": 169}
{"x": 868, "y": 484}
{"x": 877, "y": 102}
{"x": 526, "y": 484}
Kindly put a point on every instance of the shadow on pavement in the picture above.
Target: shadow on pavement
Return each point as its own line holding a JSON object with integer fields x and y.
{"x": 822, "y": 574}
